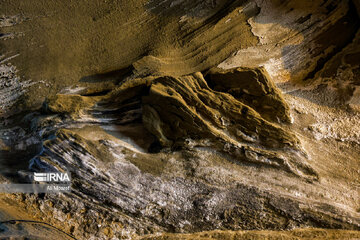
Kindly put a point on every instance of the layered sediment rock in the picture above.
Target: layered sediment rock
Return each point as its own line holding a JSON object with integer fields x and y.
{"x": 186, "y": 107}
{"x": 183, "y": 116}
{"x": 253, "y": 87}
{"x": 178, "y": 184}
{"x": 183, "y": 109}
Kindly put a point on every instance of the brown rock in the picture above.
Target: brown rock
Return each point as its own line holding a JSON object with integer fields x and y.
{"x": 66, "y": 103}
{"x": 254, "y": 88}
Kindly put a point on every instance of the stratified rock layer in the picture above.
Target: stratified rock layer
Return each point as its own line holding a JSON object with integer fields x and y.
{"x": 155, "y": 147}
{"x": 186, "y": 107}
{"x": 254, "y": 88}
{"x": 182, "y": 109}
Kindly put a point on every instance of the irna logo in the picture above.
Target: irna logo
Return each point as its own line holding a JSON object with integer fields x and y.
{"x": 52, "y": 177}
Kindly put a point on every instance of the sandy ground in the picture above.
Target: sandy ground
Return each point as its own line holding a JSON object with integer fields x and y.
{"x": 27, "y": 227}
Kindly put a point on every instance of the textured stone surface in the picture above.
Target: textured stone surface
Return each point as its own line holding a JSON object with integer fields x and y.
{"x": 243, "y": 235}
{"x": 186, "y": 107}
{"x": 181, "y": 118}
{"x": 255, "y": 88}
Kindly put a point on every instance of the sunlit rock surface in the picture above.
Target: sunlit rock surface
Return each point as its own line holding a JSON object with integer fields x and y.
{"x": 182, "y": 119}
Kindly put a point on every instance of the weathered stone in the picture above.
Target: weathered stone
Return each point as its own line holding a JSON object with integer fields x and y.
{"x": 177, "y": 109}
{"x": 185, "y": 107}
{"x": 254, "y": 88}
{"x": 61, "y": 103}
{"x": 153, "y": 147}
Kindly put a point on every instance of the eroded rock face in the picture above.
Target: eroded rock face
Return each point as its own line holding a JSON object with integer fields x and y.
{"x": 183, "y": 116}
{"x": 185, "y": 109}
{"x": 297, "y": 39}
{"x": 254, "y": 88}
{"x": 179, "y": 191}
{"x": 67, "y": 103}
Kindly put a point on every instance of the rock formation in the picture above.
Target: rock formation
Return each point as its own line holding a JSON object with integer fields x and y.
{"x": 182, "y": 119}
{"x": 255, "y": 88}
